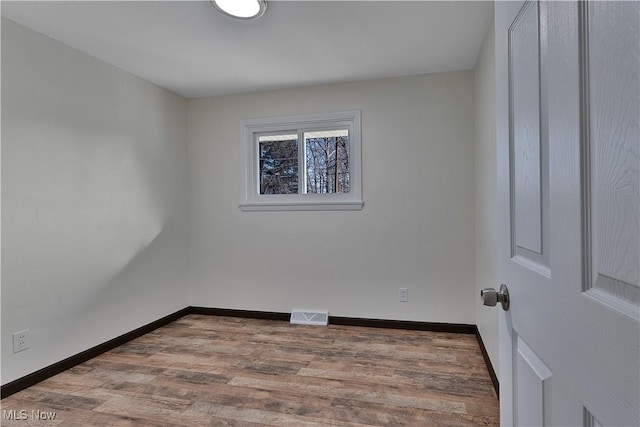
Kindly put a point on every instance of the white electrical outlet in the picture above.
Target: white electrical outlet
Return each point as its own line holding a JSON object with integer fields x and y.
{"x": 403, "y": 294}
{"x": 20, "y": 341}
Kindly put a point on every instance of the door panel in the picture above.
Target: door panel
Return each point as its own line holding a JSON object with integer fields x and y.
{"x": 527, "y": 138}
{"x": 570, "y": 344}
{"x": 613, "y": 154}
{"x": 525, "y": 116}
{"x": 533, "y": 386}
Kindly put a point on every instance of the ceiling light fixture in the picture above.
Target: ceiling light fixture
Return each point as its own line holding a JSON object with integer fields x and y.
{"x": 241, "y": 9}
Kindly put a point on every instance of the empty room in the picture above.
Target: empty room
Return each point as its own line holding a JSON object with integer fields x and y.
{"x": 320, "y": 213}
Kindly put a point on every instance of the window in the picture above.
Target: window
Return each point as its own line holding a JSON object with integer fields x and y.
{"x": 309, "y": 162}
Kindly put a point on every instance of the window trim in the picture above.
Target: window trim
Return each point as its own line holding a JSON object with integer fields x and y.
{"x": 254, "y": 201}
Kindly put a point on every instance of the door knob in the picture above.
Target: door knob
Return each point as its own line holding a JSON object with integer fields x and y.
{"x": 491, "y": 297}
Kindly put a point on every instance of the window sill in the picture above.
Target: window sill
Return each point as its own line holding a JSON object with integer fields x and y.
{"x": 302, "y": 206}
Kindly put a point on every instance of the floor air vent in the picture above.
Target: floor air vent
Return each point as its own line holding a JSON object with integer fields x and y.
{"x": 309, "y": 317}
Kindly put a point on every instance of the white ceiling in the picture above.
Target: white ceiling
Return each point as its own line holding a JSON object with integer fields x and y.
{"x": 190, "y": 48}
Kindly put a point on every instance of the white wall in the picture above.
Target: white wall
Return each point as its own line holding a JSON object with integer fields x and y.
{"x": 416, "y": 229}
{"x": 93, "y": 201}
{"x": 486, "y": 194}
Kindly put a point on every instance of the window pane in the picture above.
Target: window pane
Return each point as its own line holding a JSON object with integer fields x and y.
{"x": 278, "y": 164}
{"x": 327, "y": 161}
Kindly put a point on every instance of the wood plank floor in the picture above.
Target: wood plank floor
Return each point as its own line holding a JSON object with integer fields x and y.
{"x": 225, "y": 371}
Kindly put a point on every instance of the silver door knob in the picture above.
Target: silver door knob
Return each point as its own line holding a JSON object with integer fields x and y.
{"x": 491, "y": 297}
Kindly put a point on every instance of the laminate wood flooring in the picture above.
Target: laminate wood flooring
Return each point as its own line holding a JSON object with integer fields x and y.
{"x": 224, "y": 371}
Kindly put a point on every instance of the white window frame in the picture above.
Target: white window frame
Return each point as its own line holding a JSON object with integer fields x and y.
{"x": 252, "y": 128}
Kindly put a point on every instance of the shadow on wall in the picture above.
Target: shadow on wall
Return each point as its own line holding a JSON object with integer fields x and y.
{"x": 84, "y": 215}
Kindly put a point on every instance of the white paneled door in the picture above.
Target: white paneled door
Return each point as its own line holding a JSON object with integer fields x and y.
{"x": 568, "y": 105}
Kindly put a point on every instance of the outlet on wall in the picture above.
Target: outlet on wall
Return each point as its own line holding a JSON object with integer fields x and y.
{"x": 403, "y": 294}
{"x": 20, "y": 341}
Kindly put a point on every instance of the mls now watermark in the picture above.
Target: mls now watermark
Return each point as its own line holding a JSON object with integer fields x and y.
{"x": 23, "y": 415}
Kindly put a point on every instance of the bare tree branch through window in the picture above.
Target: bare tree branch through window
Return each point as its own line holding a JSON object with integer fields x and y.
{"x": 327, "y": 158}
{"x": 326, "y": 163}
{"x": 279, "y": 164}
